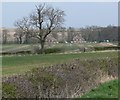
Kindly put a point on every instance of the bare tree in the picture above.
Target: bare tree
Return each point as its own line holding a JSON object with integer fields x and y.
{"x": 19, "y": 35}
{"x": 25, "y": 27}
{"x": 4, "y": 36}
{"x": 45, "y": 20}
{"x": 71, "y": 33}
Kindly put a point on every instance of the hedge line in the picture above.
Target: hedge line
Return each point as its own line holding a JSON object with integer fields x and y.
{"x": 107, "y": 48}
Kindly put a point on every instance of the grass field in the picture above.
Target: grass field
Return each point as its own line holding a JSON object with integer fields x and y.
{"x": 20, "y": 64}
{"x": 105, "y": 90}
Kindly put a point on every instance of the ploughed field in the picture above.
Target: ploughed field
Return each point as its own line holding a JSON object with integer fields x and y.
{"x": 58, "y": 75}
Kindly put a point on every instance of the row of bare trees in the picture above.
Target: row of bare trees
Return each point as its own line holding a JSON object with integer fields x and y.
{"x": 89, "y": 34}
{"x": 100, "y": 34}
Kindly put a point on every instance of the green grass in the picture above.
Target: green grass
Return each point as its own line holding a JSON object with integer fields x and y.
{"x": 105, "y": 90}
{"x": 20, "y": 64}
{"x": 9, "y": 89}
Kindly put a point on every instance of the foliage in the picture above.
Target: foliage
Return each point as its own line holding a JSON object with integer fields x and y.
{"x": 9, "y": 90}
{"x": 53, "y": 50}
{"x": 107, "y": 48}
{"x": 48, "y": 50}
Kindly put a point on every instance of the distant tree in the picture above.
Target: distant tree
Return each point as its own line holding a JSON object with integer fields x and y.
{"x": 63, "y": 35}
{"x": 57, "y": 31}
{"x": 45, "y": 19}
{"x": 19, "y": 35}
{"x": 71, "y": 33}
{"x": 55, "y": 35}
{"x": 24, "y": 28}
{"x": 118, "y": 39}
{"x": 4, "y": 36}
{"x": 100, "y": 34}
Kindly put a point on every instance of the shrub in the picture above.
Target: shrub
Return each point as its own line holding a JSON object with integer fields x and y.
{"x": 9, "y": 90}
{"x": 53, "y": 50}
{"x": 86, "y": 49}
{"x": 36, "y": 49}
{"x": 107, "y": 48}
{"x": 17, "y": 52}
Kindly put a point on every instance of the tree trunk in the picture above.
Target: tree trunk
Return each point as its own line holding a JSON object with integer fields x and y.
{"x": 42, "y": 47}
{"x": 26, "y": 39}
{"x": 20, "y": 38}
{"x": 17, "y": 40}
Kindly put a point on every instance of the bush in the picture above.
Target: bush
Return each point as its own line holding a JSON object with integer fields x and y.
{"x": 36, "y": 49}
{"x": 9, "y": 90}
{"x": 16, "y": 52}
{"x": 86, "y": 49}
{"x": 53, "y": 50}
{"x": 107, "y": 48}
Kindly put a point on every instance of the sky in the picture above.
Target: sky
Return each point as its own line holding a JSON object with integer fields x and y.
{"x": 78, "y": 14}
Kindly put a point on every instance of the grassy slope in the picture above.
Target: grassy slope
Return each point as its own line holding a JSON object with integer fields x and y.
{"x": 105, "y": 90}
{"x": 20, "y": 64}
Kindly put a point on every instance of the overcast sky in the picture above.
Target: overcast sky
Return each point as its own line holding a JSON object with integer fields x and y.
{"x": 78, "y": 14}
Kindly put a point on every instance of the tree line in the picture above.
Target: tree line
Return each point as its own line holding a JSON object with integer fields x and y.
{"x": 100, "y": 34}
{"x": 89, "y": 34}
